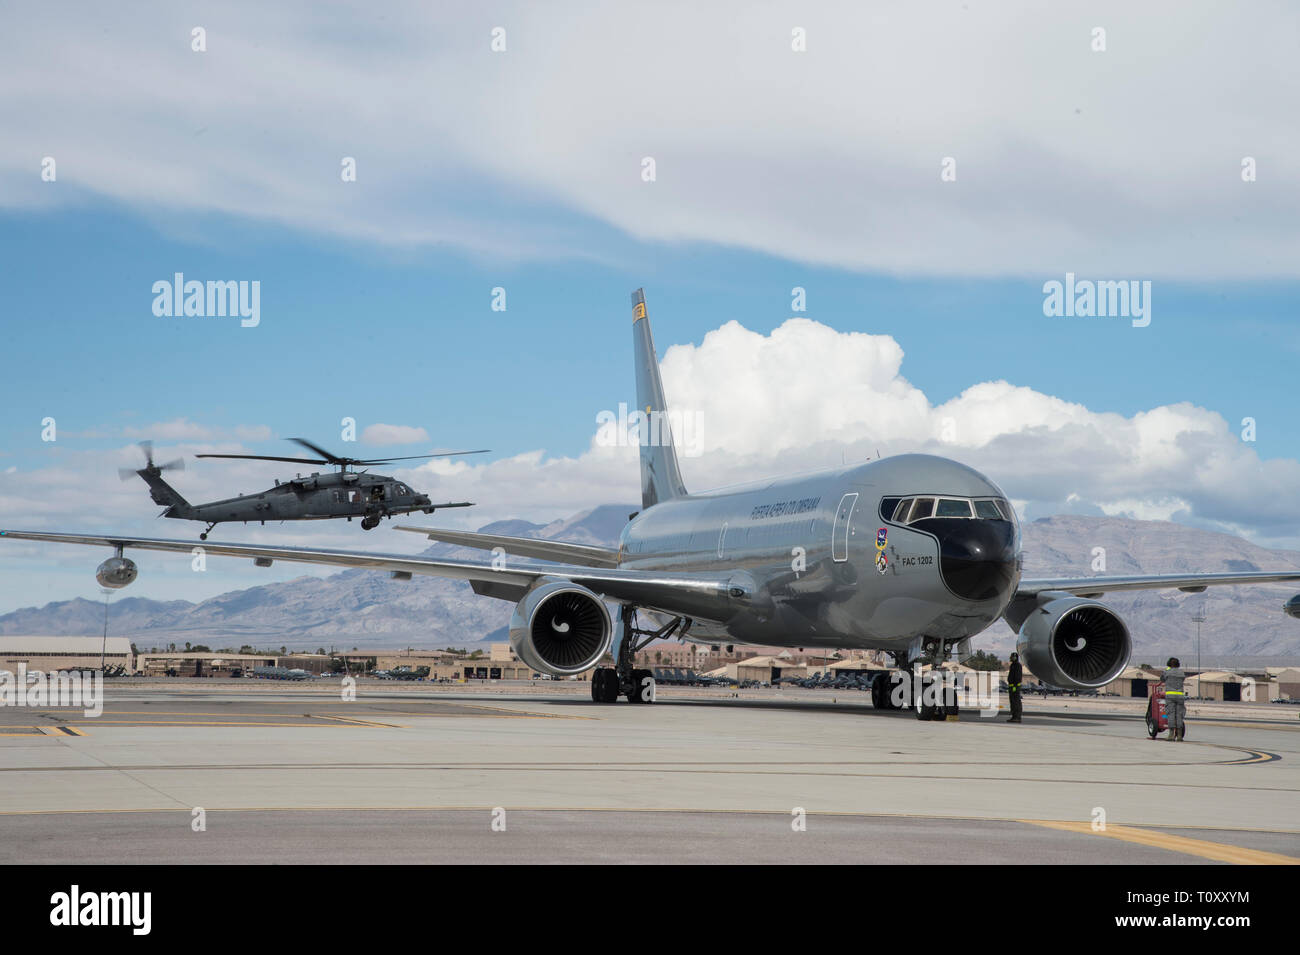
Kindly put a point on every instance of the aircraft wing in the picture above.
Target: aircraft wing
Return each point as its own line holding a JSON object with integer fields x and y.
{"x": 584, "y": 554}
{"x": 1191, "y": 583}
{"x": 696, "y": 594}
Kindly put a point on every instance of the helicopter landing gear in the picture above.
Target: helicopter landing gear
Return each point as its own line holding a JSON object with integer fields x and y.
{"x": 370, "y": 522}
{"x": 204, "y": 535}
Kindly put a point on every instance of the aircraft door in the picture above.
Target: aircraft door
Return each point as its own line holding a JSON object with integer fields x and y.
{"x": 840, "y": 532}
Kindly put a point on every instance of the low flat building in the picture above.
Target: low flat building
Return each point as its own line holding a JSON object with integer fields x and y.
{"x": 192, "y": 663}
{"x": 1288, "y": 681}
{"x": 1136, "y": 682}
{"x": 1231, "y": 687}
{"x": 65, "y": 653}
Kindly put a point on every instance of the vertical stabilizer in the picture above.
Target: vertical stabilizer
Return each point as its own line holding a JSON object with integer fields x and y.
{"x": 661, "y": 478}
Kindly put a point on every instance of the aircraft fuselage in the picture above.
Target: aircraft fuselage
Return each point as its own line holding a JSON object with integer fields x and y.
{"x": 808, "y": 549}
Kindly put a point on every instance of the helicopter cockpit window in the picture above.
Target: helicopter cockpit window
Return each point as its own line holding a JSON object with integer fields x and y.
{"x": 402, "y": 489}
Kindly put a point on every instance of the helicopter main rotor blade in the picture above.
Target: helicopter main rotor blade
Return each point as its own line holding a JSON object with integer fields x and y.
{"x": 329, "y": 458}
{"x": 265, "y": 457}
{"x": 412, "y": 457}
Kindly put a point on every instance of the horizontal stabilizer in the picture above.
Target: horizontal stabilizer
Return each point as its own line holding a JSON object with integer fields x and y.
{"x": 584, "y": 555}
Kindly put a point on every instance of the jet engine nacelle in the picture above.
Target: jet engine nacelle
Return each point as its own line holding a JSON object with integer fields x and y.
{"x": 1074, "y": 643}
{"x": 560, "y": 628}
{"x": 116, "y": 572}
{"x": 1292, "y": 606}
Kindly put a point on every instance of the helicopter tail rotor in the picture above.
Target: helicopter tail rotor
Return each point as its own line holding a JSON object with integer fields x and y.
{"x": 149, "y": 467}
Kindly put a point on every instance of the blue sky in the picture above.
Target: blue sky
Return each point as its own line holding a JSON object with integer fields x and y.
{"x": 526, "y": 169}
{"x": 350, "y": 329}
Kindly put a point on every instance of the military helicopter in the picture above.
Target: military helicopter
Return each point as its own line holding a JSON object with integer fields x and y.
{"x": 345, "y": 493}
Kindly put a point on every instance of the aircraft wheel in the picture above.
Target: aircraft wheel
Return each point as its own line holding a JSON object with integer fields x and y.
{"x": 898, "y": 680}
{"x": 639, "y": 687}
{"x": 880, "y": 688}
{"x": 637, "y": 693}
{"x": 203, "y": 536}
{"x": 604, "y": 685}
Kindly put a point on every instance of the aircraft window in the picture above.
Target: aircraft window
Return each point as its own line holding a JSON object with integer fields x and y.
{"x": 900, "y": 512}
{"x": 952, "y": 508}
{"x": 1006, "y": 509}
{"x": 988, "y": 510}
{"x": 922, "y": 508}
{"x": 888, "y": 505}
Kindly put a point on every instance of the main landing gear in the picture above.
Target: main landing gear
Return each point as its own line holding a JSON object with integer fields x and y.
{"x": 929, "y": 695}
{"x": 370, "y": 522}
{"x": 622, "y": 679}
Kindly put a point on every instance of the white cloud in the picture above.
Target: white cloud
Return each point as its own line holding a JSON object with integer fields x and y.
{"x": 178, "y": 429}
{"x": 386, "y": 434}
{"x": 183, "y": 429}
{"x": 809, "y": 396}
{"x": 828, "y": 156}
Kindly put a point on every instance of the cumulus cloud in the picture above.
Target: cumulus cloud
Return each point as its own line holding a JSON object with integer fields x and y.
{"x": 832, "y": 155}
{"x": 809, "y": 396}
{"x": 386, "y": 434}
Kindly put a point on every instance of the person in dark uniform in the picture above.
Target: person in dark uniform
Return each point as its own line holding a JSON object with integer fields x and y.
{"x": 1015, "y": 675}
{"x": 1175, "y": 700}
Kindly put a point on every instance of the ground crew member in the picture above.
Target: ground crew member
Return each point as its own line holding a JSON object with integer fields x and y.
{"x": 1014, "y": 677}
{"x": 1175, "y": 700}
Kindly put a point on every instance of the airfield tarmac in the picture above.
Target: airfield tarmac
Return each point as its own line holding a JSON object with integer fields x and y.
{"x": 412, "y": 773}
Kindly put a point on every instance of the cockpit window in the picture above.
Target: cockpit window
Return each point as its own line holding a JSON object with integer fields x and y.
{"x": 949, "y": 507}
{"x": 921, "y": 509}
{"x": 909, "y": 510}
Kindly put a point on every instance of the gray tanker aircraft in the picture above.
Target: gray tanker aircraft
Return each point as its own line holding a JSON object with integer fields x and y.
{"x": 912, "y": 554}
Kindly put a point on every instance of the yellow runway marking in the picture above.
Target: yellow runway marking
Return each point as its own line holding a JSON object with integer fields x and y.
{"x": 355, "y": 722}
{"x": 142, "y": 724}
{"x": 1215, "y": 851}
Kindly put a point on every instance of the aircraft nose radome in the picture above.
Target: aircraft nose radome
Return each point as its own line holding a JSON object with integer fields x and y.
{"x": 976, "y": 557}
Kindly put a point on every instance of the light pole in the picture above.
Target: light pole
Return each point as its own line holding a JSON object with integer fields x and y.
{"x": 103, "y": 647}
{"x": 1200, "y": 619}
